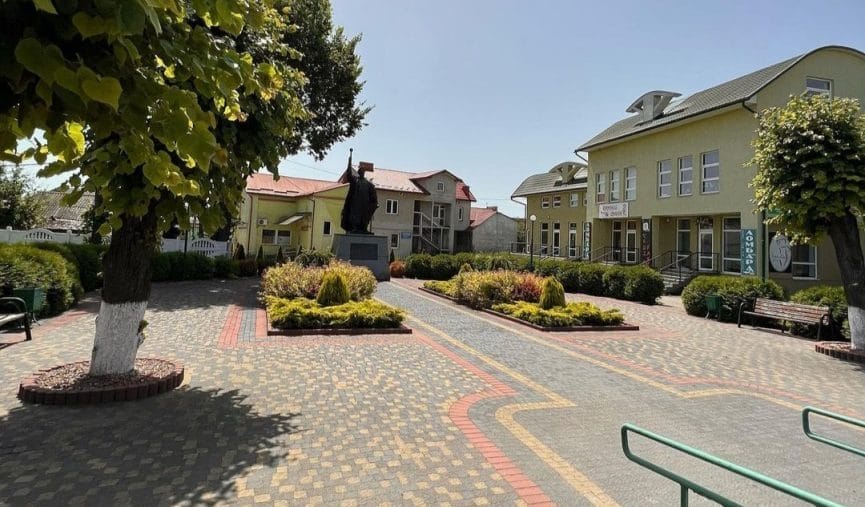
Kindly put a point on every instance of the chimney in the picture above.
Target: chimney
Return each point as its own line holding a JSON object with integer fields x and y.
{"x": 494, "y": 208}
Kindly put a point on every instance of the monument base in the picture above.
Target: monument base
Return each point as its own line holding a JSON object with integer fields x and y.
{"x": 364, "y": 250}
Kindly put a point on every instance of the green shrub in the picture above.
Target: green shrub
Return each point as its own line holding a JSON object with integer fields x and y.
{"x": 87, "y": 259}
{"x": 291, "y": 280}
{"x": 615, "y": 278}
{"x": 733, "y": 291}
{"x": 419, "y": 266}
{"x": 591, "y": 277}
{"x": 570, "y": 315}
{"x": 527, "y": 288}
{"x": 570, "y": 277}
{"x": 466, "y": 267}
{"x": 307, "y": 314}
{"x": 240, "y": 253}
{"x": 247, "y": 267}
{"x": 552, "y": 267}
{"x": 397, "y": 269}
{"x": 443, "y": 267}
{"x": 482, "y": 289}
{"x": 28, "y": 266}
{"x": 225, "y": 267}
{"x": 361, "y": 281}
{"x": 178, "y": 266}
{"x": 643, "y": 284}
{"x": 499, "y": 262}
{"x": 823, "y": 295}
{"x": 552, "y": 293}
{"x": 333, "y": 291}
{"x": 446, "y": 287}
{"x": 313, "y": 258}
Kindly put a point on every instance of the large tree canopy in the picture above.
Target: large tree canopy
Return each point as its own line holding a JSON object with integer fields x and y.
{"x": 20, "y": 206}
{"x": 810, "y": 159}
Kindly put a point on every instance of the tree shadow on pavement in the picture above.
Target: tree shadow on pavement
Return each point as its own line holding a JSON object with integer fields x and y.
{"x": 192, "y": 295}
{"x": 189, "y": 446}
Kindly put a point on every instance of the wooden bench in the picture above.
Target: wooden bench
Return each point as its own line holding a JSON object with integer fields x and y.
{"x": 787, "y": 312}
{"x": 14, "y": 309}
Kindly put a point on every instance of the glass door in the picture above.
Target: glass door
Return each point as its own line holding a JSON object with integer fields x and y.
{"x": 631, "y": 242}
{"x": 707, "y": 239}
{"x": 617, "y": 241}
{"x": 556, "y": 238}
{"x": 683, "y": 238}
{"x": 572, "y": 240}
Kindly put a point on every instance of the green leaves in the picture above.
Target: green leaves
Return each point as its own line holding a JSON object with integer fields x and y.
{"x": 45, "y": 5}
{"x": 106, "y": 90}
{"x": 90, "y": 26}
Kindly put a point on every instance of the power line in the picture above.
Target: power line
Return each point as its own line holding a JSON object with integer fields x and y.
{"x": 311, "y": 167}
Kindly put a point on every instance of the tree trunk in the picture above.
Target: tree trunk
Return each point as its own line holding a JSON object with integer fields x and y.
{"x": 125, "y": 291}
{"x": 848, "y": 250}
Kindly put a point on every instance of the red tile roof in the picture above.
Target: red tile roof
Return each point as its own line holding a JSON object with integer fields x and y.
{"x": 477, "y": 216}
{"x": 404, "y": 181}
{"x": 463, "y": 192}
{"x": 289, "y": 186}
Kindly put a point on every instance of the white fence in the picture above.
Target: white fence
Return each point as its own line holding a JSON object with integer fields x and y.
{"x": 204, "y": 246}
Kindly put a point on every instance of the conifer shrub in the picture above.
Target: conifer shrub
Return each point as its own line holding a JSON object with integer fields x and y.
{"x": 308, "y": 314}
{"x": 552, "y": 293}
{"x": 280, "y": 257}
{"x": 570, "y": 315}
{"x": 239, "y": 253}
{"x": 333, "y": 291}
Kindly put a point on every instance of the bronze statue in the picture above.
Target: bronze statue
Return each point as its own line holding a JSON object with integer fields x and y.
{"x": 361, "y": 200}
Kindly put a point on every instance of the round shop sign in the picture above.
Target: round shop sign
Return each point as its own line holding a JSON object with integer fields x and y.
{"x": 780, "y": 253}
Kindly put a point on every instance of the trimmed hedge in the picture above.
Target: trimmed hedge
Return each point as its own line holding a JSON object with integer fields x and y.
{"x": 570, "y": 315}
{"x": 28, "y": 266}
{"x": 179, "y": 266}
{"x": 733, "y": 291}
{"x": 307, "y": 314}
{"x": 86, "y": 257}
{"x": 823, "y": 295}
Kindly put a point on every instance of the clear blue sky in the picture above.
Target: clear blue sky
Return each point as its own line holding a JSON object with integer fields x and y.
{"x": 496, "y": 90}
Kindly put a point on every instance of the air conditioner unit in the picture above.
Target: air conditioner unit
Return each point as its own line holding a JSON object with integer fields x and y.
{"x": 261, "y": 221}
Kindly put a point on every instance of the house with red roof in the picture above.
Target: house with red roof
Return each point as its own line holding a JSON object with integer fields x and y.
{"x": 491, "y": 230}
{"x": 421, "y": 212}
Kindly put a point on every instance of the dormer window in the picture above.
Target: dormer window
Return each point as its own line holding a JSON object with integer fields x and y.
{"x": 817, "y": 86}
{"x": 652, "y": 104}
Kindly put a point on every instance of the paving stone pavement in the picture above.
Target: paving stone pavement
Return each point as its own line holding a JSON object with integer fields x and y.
{"x": 468, "y": 410}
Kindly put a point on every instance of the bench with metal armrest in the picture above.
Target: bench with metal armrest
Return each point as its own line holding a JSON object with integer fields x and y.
{"x": 787, "y": 312}
{"x": 14, "y": 309}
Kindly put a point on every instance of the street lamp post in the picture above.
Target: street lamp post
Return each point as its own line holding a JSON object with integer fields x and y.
{"x": 532, "y": 244}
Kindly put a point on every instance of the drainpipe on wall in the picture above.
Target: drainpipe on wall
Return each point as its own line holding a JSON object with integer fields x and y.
{"x": 252, "y": 220}
{"x": 312, "y": 224}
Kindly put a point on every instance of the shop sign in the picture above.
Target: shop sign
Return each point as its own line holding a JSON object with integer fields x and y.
{"x": 613, "y": 210}
{"x": 780, "y": 253}
{"x": 749, "y": 251}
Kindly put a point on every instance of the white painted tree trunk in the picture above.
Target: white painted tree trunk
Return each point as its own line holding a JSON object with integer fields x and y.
{"x": 116, "y": 340}
{"x": 856, "y": 319}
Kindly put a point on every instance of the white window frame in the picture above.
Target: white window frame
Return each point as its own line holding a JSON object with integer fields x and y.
{"x": 630, "y": 183}
{"x": 557, "y": 201}
{"x": 545, "y": 228}
{"x": 794, "y": 262}
{"x": 661, "y": 173}
{"x": 812, "y": 90}
{"x": 557, "y": 238}
{"x": 545, "y": 202}
{"x": 440, "y": 186}
{"x": 614, "y": 186}
{"x": 277, "y": 233}
{"x": 327, "y": 228}
{"x": 574, "y": 200}
{"x": 392, "y": 237}
{"x": 703, "y": 178}
{"x": 391, "y": 207}
{"x": 724, "y": 258}
{"x": 600, "y": 188}
{"x": 460, "y": 214}
{"x": 690, "y": 170}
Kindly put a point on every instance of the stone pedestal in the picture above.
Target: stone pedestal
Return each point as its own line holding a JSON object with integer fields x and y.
{"x": 364, "y": 250}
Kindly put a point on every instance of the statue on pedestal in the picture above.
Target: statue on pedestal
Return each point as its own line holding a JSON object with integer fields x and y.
{"x": 361, "y": 200}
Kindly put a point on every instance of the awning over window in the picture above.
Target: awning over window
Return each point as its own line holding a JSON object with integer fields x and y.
{"x": 292, "y": 218}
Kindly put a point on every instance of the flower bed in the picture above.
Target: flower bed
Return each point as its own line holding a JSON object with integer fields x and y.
{"x": 306, "y": 314}
{"x": 580, "y": 316}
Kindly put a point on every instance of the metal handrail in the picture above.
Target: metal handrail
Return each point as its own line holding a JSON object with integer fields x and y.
{"x": 806, "y": 427}
{"x": 687, "y": 485}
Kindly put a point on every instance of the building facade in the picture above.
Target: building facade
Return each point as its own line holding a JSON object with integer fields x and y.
{"x": 669, "y": 185}
{"x": 557, "y": 200}
{"x": 491, "y": 230}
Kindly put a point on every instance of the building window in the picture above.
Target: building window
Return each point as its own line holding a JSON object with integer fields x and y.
{"x": 817, "y": 86}
{"x": 631, "y": 184}
{"x": 545, "y": 202}
{"x": 394, "y": 240}
{"x": 575, "y": 200}
{"x": 440, "y": 186}
{"x": 557, "y": 232}
{"x": 665, "y": 181}
{"x": 545, "y": 236}
{"x": 686, "y": 175}
{"x": 601, "y": 188}
{"x": 732, "y": 252}
{"x": 711, "y": 172}
{"x": 460, "y": 214}
{"x": 614, "y": 186}
{"x": 804, "y": 261}
{"x": 326, "y": 230}
{"x": 391, "y": 207}
{"x": 275, "y": 237}
{"x": 557, "y": 201}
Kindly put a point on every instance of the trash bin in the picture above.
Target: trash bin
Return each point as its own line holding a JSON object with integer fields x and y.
{"x": 713, "y": 306}
{"x": 34, "y": 298}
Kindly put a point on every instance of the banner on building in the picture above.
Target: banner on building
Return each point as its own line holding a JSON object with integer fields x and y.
{"x": 749, "y": 251}
{"x": 587, "y": 240}
{"x": 613, "y": 210}
{"x": 646, "y": 240}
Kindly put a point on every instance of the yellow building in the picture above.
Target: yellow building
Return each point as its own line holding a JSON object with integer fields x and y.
{"x": 669, "y": 185}
{"x": 557, "y": 200}
{"x": 291, "y": 213}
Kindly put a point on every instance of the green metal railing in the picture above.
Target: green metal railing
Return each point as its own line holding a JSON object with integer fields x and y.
{"x": 687, "y": 485}
{"x": 806, "y": 426}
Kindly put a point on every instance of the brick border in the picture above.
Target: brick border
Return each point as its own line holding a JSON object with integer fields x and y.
{"x": 840, "y": 350}
{"x": 30, "y": 392}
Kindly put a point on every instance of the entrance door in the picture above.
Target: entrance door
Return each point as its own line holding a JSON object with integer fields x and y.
{"x": 617, "y": 241}
{"x": 631, "y": 242}
{"x": 683, "y": 238}
{"x": 556, "y": 238}
{"x": 707, "y": 239}
{"x": 572, "y": 240}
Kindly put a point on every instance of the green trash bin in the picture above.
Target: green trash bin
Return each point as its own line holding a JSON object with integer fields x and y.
{"x": 34, "y": 299}
{"x": 713, "y": 306}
